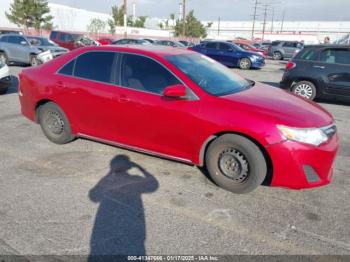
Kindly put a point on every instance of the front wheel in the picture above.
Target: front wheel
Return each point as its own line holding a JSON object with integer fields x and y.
{"x": 245, "y": 64}
{"x": 236, "y": 164}
{"x": 305, "y": 89}
{"x": 54, "y": 123}
{"x": 277, "y": 56}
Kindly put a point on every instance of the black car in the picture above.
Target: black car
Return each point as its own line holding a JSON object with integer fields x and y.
{"x": 319, "y": 71}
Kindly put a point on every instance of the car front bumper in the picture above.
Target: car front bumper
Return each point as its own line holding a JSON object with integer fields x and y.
{"x": 300, "y": 166}
{"x": 258, "y": 64}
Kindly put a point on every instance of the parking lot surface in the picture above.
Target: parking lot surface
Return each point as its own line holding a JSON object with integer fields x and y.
{"x": 87, "y": 197}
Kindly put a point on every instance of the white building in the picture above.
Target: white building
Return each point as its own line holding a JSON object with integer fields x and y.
{"x": 75, "y": 19}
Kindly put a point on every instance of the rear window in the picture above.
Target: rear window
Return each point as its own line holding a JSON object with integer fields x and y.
{"x": 96, "y": 66}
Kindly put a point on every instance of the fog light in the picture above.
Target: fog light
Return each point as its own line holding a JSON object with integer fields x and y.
{"x": 311, "y": 174}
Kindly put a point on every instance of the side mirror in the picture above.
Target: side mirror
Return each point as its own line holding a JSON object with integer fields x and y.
{"x": 175, "y": 91}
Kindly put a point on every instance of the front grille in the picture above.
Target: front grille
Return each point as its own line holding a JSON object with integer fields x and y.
{"x": 330, "y": 130}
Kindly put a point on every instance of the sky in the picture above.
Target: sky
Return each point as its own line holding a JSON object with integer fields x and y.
{"x": 300, "y": 10}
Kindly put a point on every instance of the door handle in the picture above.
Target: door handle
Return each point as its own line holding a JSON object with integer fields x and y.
{"x": 60, "y": 84}
{"x": 124, "y": 99}
{"x": 320, "y": 67}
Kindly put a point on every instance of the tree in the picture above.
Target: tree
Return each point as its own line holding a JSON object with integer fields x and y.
{"x": 194, "y": 27}
{"x": 30, "y": 13}
{"x": 118, "y": 15}
{"x": 96, "y": 26}
{"x": 111, "y": 25}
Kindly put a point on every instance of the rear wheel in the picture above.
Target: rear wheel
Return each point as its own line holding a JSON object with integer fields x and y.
{"x": 3, "y": 58}
{"x": 236, "y": 164}
{"x": 54, "y": 123}
{"x": 305, "y": 89}
{"x": 245, "y": 64}
{"x": 277, "y": 56}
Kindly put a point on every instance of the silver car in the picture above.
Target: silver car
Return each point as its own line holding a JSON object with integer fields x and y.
{"x": 45, "y": 44}
{"x": 16, "y": 48}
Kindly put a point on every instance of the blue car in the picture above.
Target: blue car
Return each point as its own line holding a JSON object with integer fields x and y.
{"x": 230, "y": 54}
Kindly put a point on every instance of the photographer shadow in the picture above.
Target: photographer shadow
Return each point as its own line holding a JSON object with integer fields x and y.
{"x": 119, "y": 227}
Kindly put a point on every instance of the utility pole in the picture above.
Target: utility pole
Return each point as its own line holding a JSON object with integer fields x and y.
{"x": 183, "y": 18}
{"x": 272, "y": 20}
{"x": 264, "y": 24}
{"x": 125, "y": 18}
{"x": 283, "y": 17}
{"x": 254, "y": 18}
{"x": 219, "y": 26}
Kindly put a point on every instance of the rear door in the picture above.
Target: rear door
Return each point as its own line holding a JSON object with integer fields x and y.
{"x": 211, "y": 49}
{"x": 226, "y": 54}
{"x": 89, "y": 93}
{"x": 335, "y": 62}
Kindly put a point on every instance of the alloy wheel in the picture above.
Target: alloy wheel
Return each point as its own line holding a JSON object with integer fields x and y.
{"x": 304, "y": 90}
{"x": 54, "y": 122}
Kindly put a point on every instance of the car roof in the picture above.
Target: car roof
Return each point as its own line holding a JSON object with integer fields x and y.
{"x": 145, "y": 49}
{"x": 11, "y": 34}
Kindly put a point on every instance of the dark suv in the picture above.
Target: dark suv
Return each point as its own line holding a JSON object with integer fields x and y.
{"x": 319, "y": 71}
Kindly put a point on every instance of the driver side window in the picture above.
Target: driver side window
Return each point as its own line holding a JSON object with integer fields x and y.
{"x": 144, "y": 74}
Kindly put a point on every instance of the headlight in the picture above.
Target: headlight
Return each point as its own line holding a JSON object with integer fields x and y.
{"x": 255, "y": 57}
{"x": 2, "y": 64}
{"x": 312, "y": 136}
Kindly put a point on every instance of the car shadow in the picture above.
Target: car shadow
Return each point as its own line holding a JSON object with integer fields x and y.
{"x": 120, "y": 227}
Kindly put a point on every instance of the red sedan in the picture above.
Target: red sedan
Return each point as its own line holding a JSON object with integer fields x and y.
{"x": 182, "y": 105}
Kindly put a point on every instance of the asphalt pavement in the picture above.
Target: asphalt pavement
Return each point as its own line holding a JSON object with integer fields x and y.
{"x": 90, "y": 198}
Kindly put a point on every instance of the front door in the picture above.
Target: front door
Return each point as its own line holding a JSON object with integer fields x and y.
{"x": 149, "y": 120}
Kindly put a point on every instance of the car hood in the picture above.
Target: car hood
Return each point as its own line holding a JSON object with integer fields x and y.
{"x": 280, "y": 106}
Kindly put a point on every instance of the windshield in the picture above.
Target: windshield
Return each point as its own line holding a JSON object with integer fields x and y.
{"x": 211, "y": 76}
{"x": 38, "y": 41}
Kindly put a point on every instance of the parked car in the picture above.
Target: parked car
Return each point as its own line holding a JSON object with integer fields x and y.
{"x": 105, "y": 41}
{"x": 71, "y": 41}
{"x": 182, "y": 105}
{"x": 170, "y": 43}
{"x": 44, "y": 44}
{"x": 186, "y": 43}
{"x": 16, "y": 48}
{"x": 129, "y": 41}
{"x": 251, "y": 48}
{"x": 5, "y": 77}
{"x": 280, "y": 50}
{"x": 230, "y": 54}
{"x": 319, "y": 71}
{"x": 4, "y": 31}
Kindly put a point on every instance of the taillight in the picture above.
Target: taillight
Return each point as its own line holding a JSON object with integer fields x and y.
{"x": 290, "y": 65}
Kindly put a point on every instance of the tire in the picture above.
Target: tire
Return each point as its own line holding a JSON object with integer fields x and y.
{"x": 245, "y": 64}
{"x": 305, "y": 89}
{"x": 34, "y": 61}
{"x": 236, "y": 164}
{"x": 3, "y": 57}
{"x": 277, "y": 56}
{"x": 55, "y": 124}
